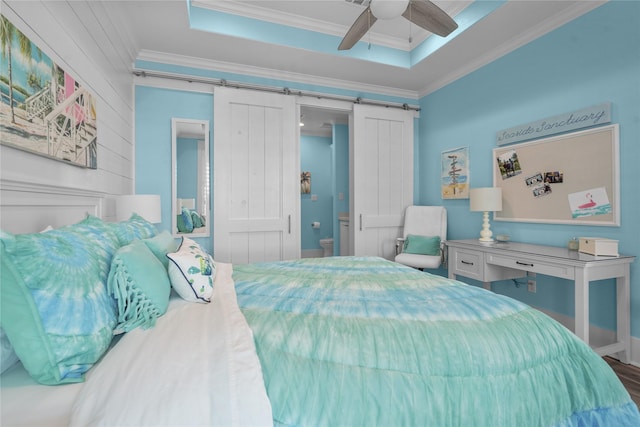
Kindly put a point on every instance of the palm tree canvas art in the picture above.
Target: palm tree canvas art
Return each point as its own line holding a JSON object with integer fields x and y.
{"x": 43, "y": 109}
{"x": 305, "y": 182}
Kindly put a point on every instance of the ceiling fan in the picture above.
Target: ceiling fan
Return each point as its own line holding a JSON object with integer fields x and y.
{"x": 423, "y": 13}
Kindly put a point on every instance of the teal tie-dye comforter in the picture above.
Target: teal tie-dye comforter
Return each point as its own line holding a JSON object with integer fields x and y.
{"x": 350, "y": 341}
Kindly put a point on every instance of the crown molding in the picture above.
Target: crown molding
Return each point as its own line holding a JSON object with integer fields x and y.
{"x": 267, "y": 73}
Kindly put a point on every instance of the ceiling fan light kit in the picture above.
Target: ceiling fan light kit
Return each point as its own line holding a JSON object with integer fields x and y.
{"x": 388, "y": 9}
{"x": 423, "y": 13}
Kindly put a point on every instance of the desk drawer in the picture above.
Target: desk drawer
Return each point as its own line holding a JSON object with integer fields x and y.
{"x": 468, "y": 264}
{"x": 525, "y": 264}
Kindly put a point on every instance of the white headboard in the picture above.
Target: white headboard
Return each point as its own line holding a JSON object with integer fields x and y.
{"x": 28, "y": 208}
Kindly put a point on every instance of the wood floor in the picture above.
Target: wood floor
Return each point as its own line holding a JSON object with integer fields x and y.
{"x": 630, "y": 377}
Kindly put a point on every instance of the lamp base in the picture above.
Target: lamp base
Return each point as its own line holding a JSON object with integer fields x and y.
{"x": 486, "y": 233}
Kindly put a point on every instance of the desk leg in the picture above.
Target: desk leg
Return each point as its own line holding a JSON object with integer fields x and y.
{"x": 623, "y": 327}
{"x": 582, "y": 305}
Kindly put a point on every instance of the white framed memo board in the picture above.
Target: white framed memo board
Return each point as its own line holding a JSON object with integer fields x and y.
{"x": 565, "y": 179}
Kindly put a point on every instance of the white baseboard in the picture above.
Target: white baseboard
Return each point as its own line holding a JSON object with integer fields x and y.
{"x": 312, "y": 253}
{"x": 597, "y": 336}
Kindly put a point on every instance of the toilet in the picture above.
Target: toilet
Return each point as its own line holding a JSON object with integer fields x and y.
{"x": 327, "y": 245}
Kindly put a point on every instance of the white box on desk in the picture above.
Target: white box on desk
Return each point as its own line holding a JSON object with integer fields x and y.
{"x": 598, "y": 246}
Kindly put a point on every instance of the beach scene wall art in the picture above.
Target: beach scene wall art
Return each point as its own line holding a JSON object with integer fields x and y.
{"x": 43, "y": 109}
{"x": 455, "y": 173}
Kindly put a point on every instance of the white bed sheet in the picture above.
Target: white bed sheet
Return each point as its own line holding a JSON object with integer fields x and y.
{"x": 24, "y": 402}
{"x": 197, "y": 366}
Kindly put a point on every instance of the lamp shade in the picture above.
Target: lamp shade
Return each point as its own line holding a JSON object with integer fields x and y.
{"x": 388, "y": 9}
{"x": 486, "y": 199}
{"x": 145, "y": 205}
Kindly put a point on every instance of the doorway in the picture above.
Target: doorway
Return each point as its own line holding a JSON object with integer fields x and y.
{"x": 324, "y": 168}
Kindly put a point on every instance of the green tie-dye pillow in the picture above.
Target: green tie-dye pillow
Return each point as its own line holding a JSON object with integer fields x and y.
{"x": 55, "y": 307}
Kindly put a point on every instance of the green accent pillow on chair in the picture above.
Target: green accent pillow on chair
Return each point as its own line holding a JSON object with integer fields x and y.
{"x": 422, "y": 245}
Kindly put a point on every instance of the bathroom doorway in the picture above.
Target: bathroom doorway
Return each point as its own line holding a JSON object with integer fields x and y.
{"x": 324, "y": 179}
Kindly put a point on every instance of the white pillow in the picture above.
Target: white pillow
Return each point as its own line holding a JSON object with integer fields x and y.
{"x": 191, "y": 271}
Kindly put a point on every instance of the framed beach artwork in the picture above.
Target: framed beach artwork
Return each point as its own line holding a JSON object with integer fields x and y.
{"x": 43, "y": 109}
{"x": 455, "y": 173}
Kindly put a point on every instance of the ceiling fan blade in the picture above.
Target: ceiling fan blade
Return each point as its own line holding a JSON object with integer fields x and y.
{"x": 427, "y": 15}
{"x": 358, "y": 29}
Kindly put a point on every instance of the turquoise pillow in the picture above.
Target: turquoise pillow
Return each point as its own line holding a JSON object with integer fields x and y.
{"x": 161, "y": 245}
{"x": 422, "y": 245}
{"x": 196, "y": 219}
{"x": 135, "y": 227}
{"x": 185, "y": 222}
{"x": 55, "y": 308}
{"x": 140, "y": 284}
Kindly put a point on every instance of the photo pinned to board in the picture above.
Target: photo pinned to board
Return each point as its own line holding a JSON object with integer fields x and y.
{"x": 536, "y": 179}
{"x": 590, "y": 202}
{"x": 555, "y": 177}
{"x": 509, "y": 164}
{"x": 542, "y": 190}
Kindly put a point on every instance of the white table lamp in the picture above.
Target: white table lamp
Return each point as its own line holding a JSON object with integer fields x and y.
{"x": 145, "y": 205}
{"x": 486, "y": 199}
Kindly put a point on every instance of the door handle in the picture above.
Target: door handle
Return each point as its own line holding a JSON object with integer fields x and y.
{"x": 360, "y": 222}
{"x": 289, "y": 223}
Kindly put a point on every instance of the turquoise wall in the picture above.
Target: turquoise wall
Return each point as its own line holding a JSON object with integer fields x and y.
{"x": 593, "y": 59}
{"x": 316, "y": 157}
{"x": 154, "y": 110}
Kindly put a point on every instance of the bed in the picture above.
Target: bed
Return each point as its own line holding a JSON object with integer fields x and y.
{"x": 320, "y": 341}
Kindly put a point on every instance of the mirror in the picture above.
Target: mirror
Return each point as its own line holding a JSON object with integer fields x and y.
{"x": 190, "y": 183}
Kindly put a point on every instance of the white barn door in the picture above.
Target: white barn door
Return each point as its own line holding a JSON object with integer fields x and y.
{"x": 381, "y": 177}
{"x": 256, "y": 183}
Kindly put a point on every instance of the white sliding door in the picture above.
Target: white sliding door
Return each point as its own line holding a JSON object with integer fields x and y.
{"x": 381, "y": 177}
{"x": 256, "y": 181}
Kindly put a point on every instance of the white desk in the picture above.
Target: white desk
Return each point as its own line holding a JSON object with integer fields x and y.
{"x": 501, "y": 261}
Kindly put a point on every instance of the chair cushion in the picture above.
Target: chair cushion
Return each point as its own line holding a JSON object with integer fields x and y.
{"x": 423, "y": 245}
{"x": 419, "y": 261}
